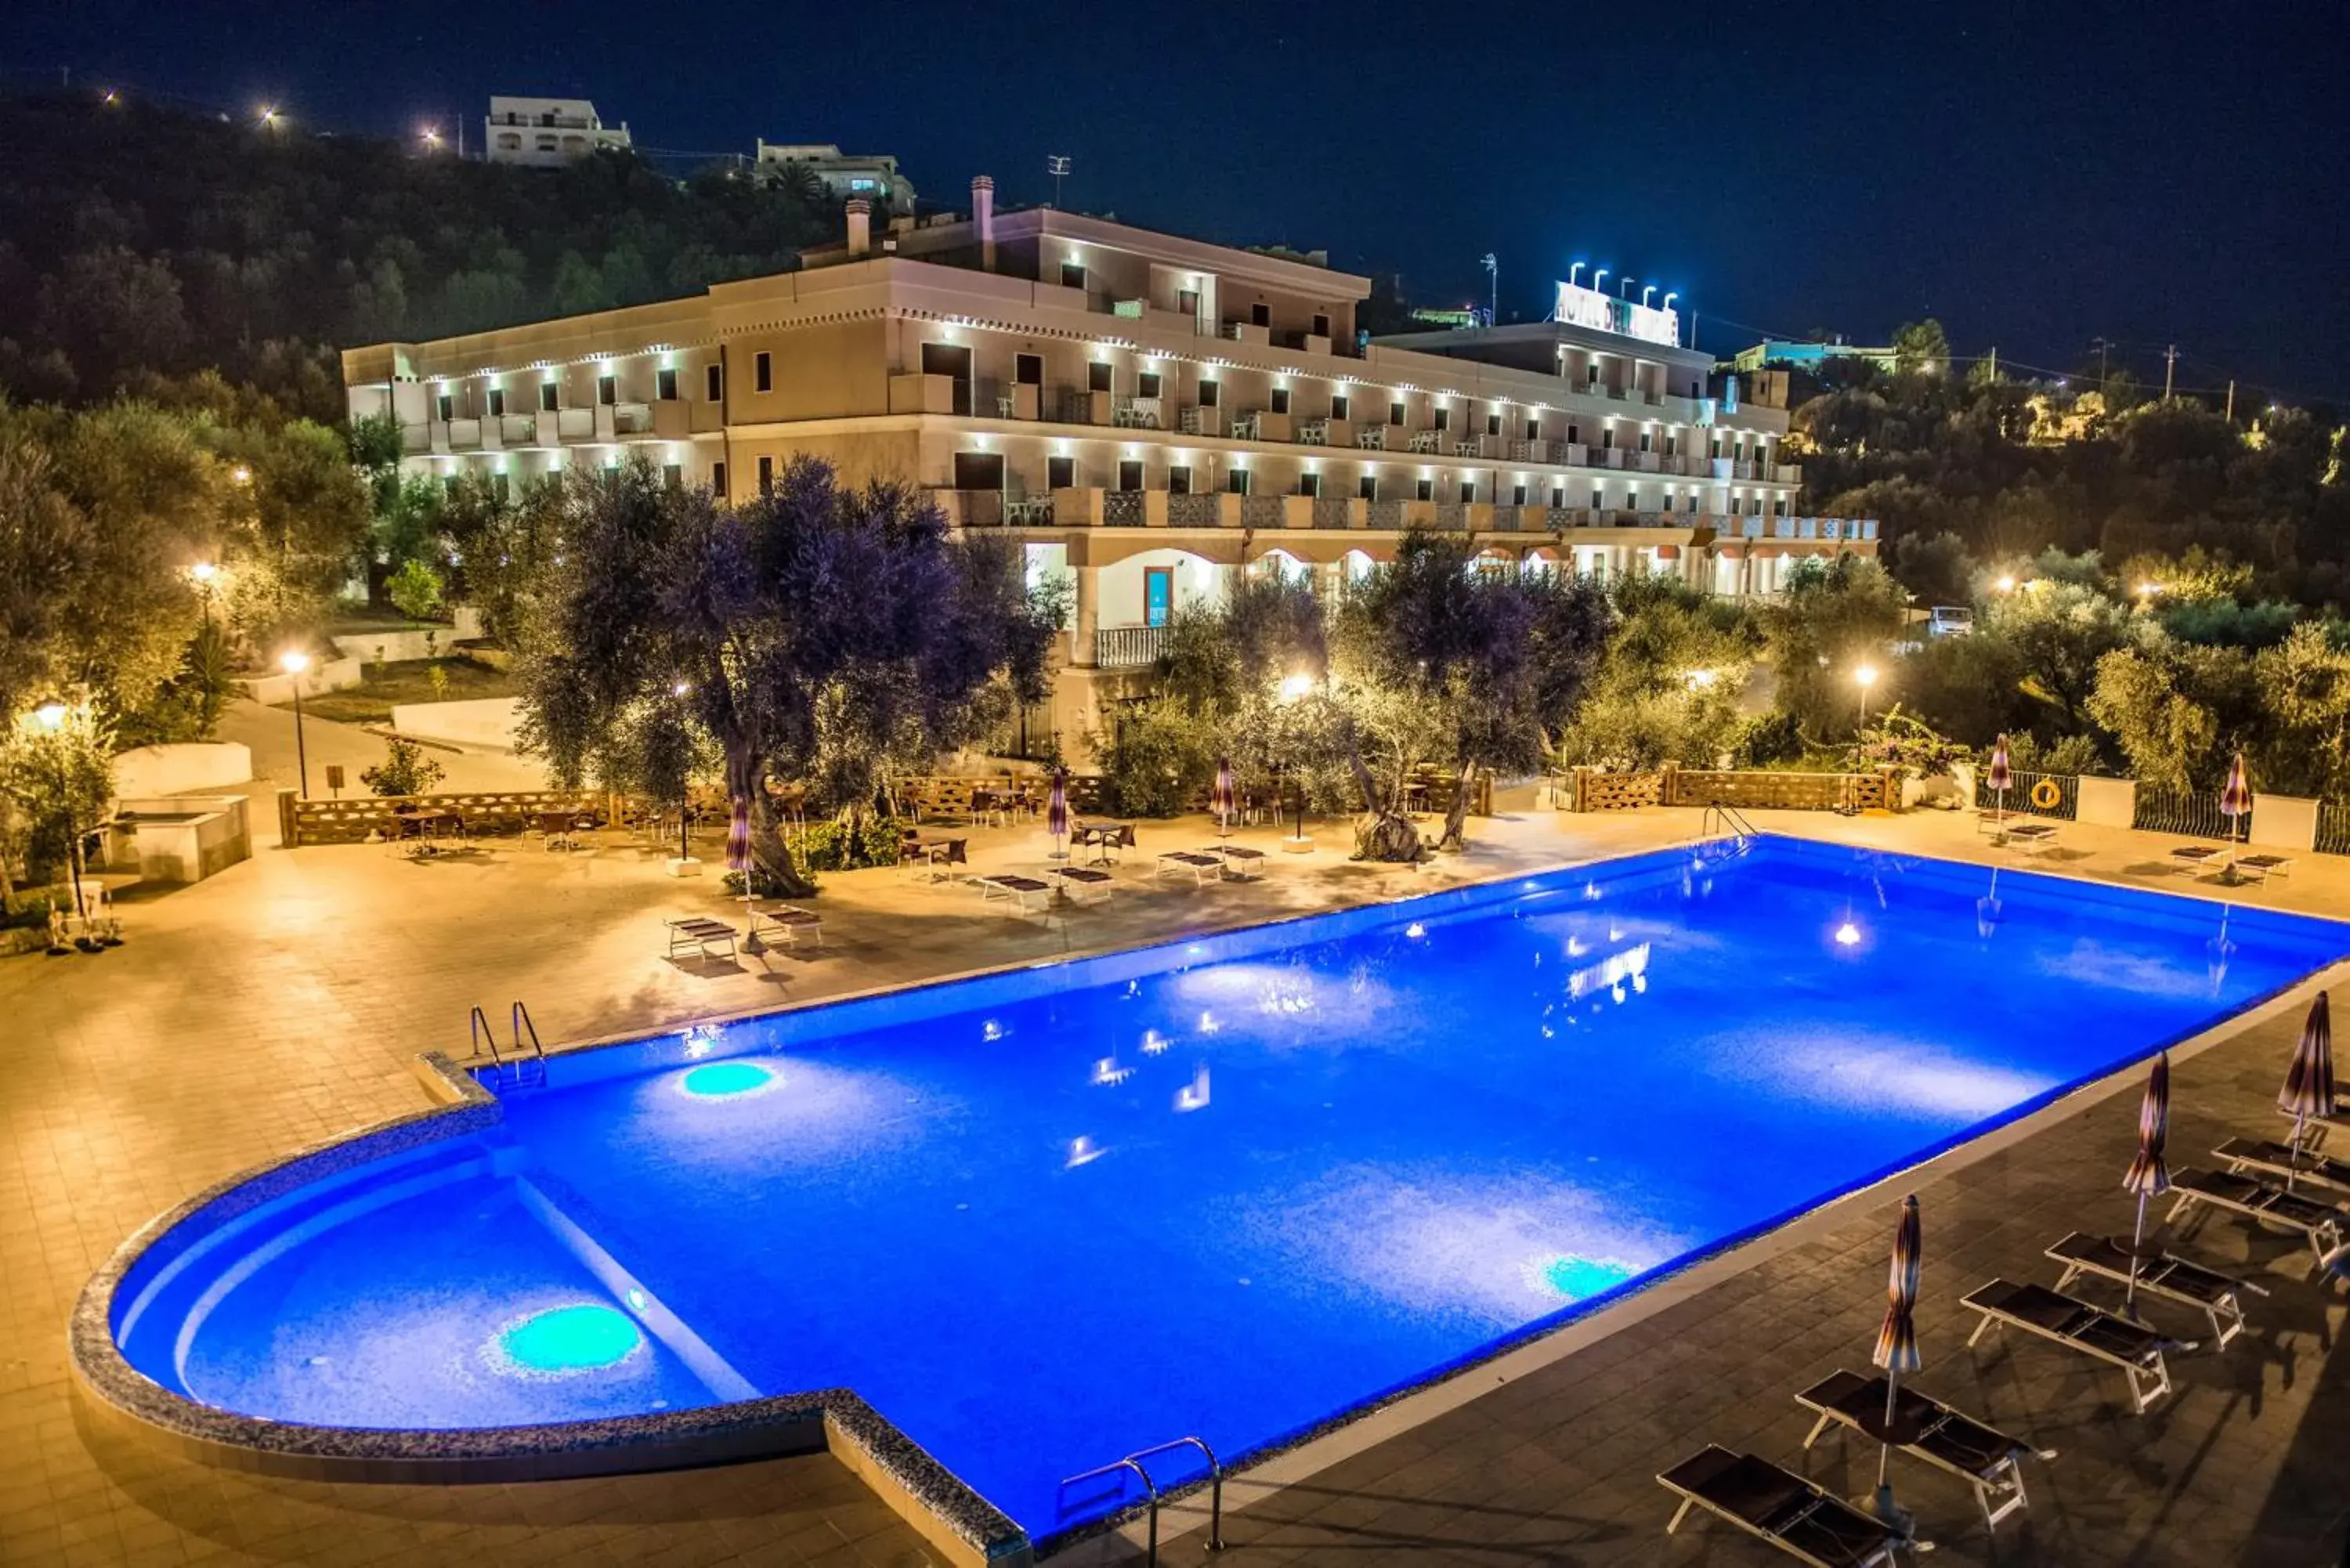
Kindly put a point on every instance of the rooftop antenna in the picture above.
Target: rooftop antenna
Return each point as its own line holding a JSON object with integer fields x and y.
{"x": 1494, "y": 271}
{"x": 1057, "y": 164}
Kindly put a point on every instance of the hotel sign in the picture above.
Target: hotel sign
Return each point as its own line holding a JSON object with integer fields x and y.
{"x": 1580, "y": 306}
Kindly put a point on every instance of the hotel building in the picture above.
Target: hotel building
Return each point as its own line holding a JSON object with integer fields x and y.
{"x": 1149, "y": 413}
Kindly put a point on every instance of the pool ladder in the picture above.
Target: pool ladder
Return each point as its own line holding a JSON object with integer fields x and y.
{"x": 1133, "y": 1461}
{"x": 519, "y": 1066}
{"x": 1727, "y": 818}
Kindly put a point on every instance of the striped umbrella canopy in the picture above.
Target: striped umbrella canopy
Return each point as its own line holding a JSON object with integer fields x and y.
{"x": 1221, "y": 802}
{"x": 2147, "y": 1175}
{"x": 1056, "y": 808}
{"x": 2309, "y": 1083}
{"x": 1897, "y": 1338}
{"x": 1999, "y": 776}
{"x": 2236, "y": 800}
{"x": 738, "y": 835}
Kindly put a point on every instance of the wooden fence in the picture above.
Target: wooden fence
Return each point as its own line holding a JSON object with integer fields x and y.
{"x": 485, "y": 812}
{"x": 1749, "y": 790}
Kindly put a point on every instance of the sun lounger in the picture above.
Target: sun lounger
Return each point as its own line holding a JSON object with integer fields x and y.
{"x": 787, "y": 923}
{"x": 2320, "y": 1223}
{"x": 1024, "y": 892}
{"x": 2195, "y": 859}
{"x": 2165, "y": 1277}
{"x": 1230, "y": 853}
{"x": 1081, "y": 885}
{"x": 1801, "y": 1520}
{"x": 2307, "y": 1169}
{"x": 2074, "y": 1324}
{"x": 1982, "y": 1456}
{"x": 2314, "y": 1129}
{"x": 2032, "y": 837}
{"x": 696, "y": 935}
{"x": 2260, "y": 867}
{"x": 1180, "y": 862}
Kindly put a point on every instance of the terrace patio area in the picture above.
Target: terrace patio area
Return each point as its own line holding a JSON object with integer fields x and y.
{"x": 278, "y": 1005}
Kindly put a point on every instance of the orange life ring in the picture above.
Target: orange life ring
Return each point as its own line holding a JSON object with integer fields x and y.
{"x": 2046, "y": 795}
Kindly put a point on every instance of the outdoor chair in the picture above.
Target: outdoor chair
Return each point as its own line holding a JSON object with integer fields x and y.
{"x": 2305, "y": 1167}
{"x": 1080, "y": 885}
{"x": 695, "y": 935}
{"x": 1201, "y": 867}
{"x": 2165, "y": 1276}
{"x": 2260, "y": 867}
{"x": 1018, "y": 890}
{"x": 2195, "y": 859}
{"x": 1982, "y": 1456}
{"x": 786, "y": 923}
{"x": 2070, "y": 1322}
{"x": 1806, "y": 1521}
{"x": 2319, "y": 1223}
{"x": 1249, "y": 859}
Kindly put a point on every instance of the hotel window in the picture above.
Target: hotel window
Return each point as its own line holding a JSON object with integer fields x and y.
{"x": 1073, "y": 276}
{"x": 1672, "y": 443}
{"x": 1573, "y": 435}
{"x": 1599, "y": 500}
{"x": 1130, "y": 473}
{"x": 718, "y": 480}
{"x": 1443, "y": 418}
{"x": 1179, "y": 479}
{"x": 548, "y": 392}
{"x": 1423, "y": 489}
{"x": 1395, "y": 413}
{"x": 1060, "y": 473}
{"x": 1518, "y": 495}
{"x": 714, "y": 383}
{"x": 1028, "y": 370}
{"x": 673, "y": 475}
{"x": 502, "y": 487}
{"x": 1208, "y": 392}
{"x": 1607, "y": 439}
{"x": 1281, "y": 400}
{"x": 665, "y": 386}
{"x": 1645, "y": 440}
{"x": 767, "y": 476}
{"x": 1187, "y": 300}
{"x": 1669, "y": 501}
{"x": 1533, "y": 429}
{"x": 1368, "y": 487}
{"x": 1339, "y": 404}
{"x": 1779, "y": 507}
{"x": 607, "y": 391}
{"x": 1260, "y": 315}
{"x": 1098, "y": 376}
{"x": 762, "y": 372}
{"x": 1716, "y": 447}
{"x": 448, "y": 484}
{"x": 1494, "y": 423}
{"x": 1309, "y": 485}
{"x": 497, "y": 402}
{"x": 1236, "y": 481}
{"x": 1468, "y": 490}
{"x": 1321, "y": 325}
{"x": 1147, "y": 384}
{"x": 1558, "y": 495}
{"x": 444, "y": 407}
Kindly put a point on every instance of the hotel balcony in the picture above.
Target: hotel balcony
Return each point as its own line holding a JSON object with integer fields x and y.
{"x": 1128, "y": 647}
{"x": 518, "y": 430}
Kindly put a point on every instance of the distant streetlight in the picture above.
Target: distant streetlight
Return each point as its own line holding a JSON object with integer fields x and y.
{"x": 1670, "y": 298}
{"x": 1572, "y": 271}
{"x": 2005, "y": 585}
{"x": 1294, "y": 688}
{"x": 293, "y": 661}
{"x": 1624, "y": 288}
{"x": 241, "y": 474}
{"x": 1645, "y": 292}
{"x": 1596, "y": 276}
{"x": 205, "y": 576}
{"x": 1865, "y": 677}
{"x": 269, "y": 117}
{"x": 1700, "y": 679}
{"x": 432, "y": 138}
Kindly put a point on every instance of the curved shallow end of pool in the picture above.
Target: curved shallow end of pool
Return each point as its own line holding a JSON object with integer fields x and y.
{"x": 948, "y": 1512}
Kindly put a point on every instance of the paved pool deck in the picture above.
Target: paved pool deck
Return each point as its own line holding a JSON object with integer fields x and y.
{"x": 280, "y": 1004}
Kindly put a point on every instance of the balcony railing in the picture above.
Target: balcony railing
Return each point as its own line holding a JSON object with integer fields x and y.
{"x": 1337, "y": 512}
{"x": 1123, "y": 509}
{"x": 1195, "y": 511}
{"x": 518, "y": 430}
{"x": 1127, "y": 647}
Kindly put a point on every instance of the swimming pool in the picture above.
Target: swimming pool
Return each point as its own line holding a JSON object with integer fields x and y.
{"x": 1233, "y": 1187}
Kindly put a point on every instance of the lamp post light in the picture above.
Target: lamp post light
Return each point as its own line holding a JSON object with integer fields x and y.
{"x": 1293, "y": 689}
{"x": 1624, "y": 288}
{"x": 1865, "y": 677}
{"x": 205, "y": 575}
{"x": 2005, "y": 585}
{"x": 52, "y": 716}
{"x": 1572, "y": 271}
{"x": 293, "y": 661}
{"x": 1646, "y": 294}
{"x": 2146, "y": 592}
{"x": 1596, "y": 276}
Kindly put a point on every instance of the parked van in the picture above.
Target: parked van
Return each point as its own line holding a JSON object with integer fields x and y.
{"x": 1949, "y": 620}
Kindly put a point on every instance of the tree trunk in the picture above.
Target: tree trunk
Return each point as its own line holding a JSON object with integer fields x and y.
{"x": 772, "y": 865}
{"x": 1383, "y": 833}
{"x": 1456, "y": 818}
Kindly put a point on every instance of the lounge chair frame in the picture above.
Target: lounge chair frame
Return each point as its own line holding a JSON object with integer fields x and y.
{"x": 2324, "y": 1235}
{"x": 1017, "y": 890}
{"x": 2224, "y": 1311}
{"x": 1998, "y": 1487}
{"x": 1820, "y": 1500}
{"x": 695, "y": 935}
{"x": 1201, "y": 866}
{"x": 2263, "y": 1158}
{"x": 787, "y": 923}
{"x": 2149, "y": 1377}
{"x": 1084, "y": 885}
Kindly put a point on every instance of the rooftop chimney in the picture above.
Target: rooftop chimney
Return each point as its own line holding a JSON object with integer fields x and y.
{"x": 983, "y": 217}
{"x": 861, "y": 225}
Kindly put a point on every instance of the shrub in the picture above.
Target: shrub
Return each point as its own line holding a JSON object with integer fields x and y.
{"x": 405, "y": 769}
{"x": 415, "y": 591}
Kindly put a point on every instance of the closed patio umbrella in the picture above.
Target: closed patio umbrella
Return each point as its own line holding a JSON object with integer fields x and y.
{"x": 2309, "y": 1083}
{"x": 1897, "y": 1348}
{"x": 1997, "y": 780}
{"x": 738, "y": 856}
{"x": 2236, "y": 799}
{"x": 2148, "y": 1176}
{"x": 1057, "y": 813}
{"x": 1221, "y": 803}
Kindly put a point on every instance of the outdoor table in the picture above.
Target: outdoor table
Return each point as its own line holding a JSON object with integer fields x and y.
{"x": 429, "y": 825}
{"x": 930, "y": 852}
{"x": 1105, "y": 837}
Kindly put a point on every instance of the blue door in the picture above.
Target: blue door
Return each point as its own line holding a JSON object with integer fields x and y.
{"x": 1157, "y": 594}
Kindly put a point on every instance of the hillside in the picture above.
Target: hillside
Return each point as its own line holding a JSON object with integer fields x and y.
{"x": 139, "y": 241}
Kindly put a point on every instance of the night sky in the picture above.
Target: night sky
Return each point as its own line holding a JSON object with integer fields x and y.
{"x": 2035, "y": 176}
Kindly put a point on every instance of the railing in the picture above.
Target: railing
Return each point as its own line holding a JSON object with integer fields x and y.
{"x": 1265, "y": 510}
{"x": 2187, "y": 814}
{"x": 2333, "y": 828}
{"x": 518, "y": 430}
{"x": 1195, "y": 511}
{"x": 1387, "y": 515}
{"x": 1152, "y": 1496}
{"x": 1123, "y": 509}
{"x": 2022, "y": 787}
{"x": 1127, "y": 647}
{"x": 575, "y": 424}
{"x": 1726, "y": 818}
{"x": 352, "y": 818}
{"x": 1334, "y": 512}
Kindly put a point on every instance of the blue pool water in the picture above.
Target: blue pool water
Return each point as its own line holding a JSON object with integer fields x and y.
{"x": 1231, "y": 1186}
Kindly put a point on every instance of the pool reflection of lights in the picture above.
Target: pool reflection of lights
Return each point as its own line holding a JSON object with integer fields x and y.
{"x": 566, "y": 1342}
{"x": 1194, "y": 1095}
{"x": 1084, "y": 1150}
{"x": 699, "y": 1041}
{"x": 1107, "y": 1072}
{"x": 1153, "y": 1042}
{"x": 1577, "y": 1278}
{"x": 1848, "y": 935}
{"x": 727, "y": 1080}
{"x": 1415, "y": 929}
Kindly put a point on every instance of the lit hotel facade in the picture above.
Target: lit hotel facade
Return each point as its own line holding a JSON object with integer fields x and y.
{"x": 1149, "y": 413}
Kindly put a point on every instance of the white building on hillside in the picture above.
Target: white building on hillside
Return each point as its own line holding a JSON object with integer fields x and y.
{"x": 547, "y": 132}
{"x": 874, "y": 177}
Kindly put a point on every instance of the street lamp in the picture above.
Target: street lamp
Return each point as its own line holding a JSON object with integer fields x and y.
{"x": 1596, "y": 276}
{"x": 293, "y": 661}
{"x": 1572, "y": 271}
{"x": 1624, "y": 288}
{"x": 1645, "y": 294}
{"x": 2005, "y": 585}
{"x": 52, "y": 716}
{"x": 1865, "y": 677}
{"x": 203, "y": 574}
{"x": 1293, "y": 689}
